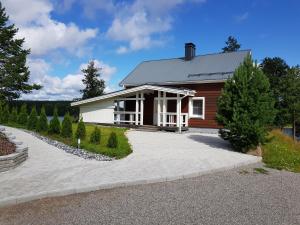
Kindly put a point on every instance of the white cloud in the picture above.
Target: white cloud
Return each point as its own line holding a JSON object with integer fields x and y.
{"x": 242, "y": 17}
{"x": 140, "y": 24}
{"x": 42, "y": 33}
{"x": 66, "y": 88}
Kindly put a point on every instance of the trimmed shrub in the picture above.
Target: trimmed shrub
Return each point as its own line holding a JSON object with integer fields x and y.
{"x": 32, "y": 119}
{"x": 5, "y": 114}
{"x": 42, "y": 124}
{"x": 96, "y": 136}
{"x": 54, "y": 127}
{"x": 66, "y": 129}
{"x": 23, "y": 116}
{"x": 13, "y": 117}
{"x": 112, "y": 140}
{"x": 81, "y": 132}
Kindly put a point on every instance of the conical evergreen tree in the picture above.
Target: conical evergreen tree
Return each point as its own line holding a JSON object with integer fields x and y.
{"x": 33, "y": 119}
{"x": 80, "y": 132}
{"x": 246, "y": 107}
{"x": 54, "y": 127}
{"x": 42, "y": 124}
{"x": 23, "y": 116}
{"x": 13, "y": 117}
{"x": 14, "y": 73}
{"x": 66, "y": 129}
{"x": 5, "y": 114}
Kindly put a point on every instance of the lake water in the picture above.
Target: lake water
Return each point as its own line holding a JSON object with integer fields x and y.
{"x": 289, "y": 132}
{"x": 60, "y": 118}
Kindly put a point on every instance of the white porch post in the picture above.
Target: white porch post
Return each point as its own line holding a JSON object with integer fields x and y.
{"x": 118, "y": 114}
{"x": 158, "y": 108}
{"x": 137, "y": 109}
{"x": 178, "y": 115}
{"x": 142, "y": 109}
{"x": 164, "y": 108}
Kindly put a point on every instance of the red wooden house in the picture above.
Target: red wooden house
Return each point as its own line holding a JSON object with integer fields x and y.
{"x": 172, "y": 93}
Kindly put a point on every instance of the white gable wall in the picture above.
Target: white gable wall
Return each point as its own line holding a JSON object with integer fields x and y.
{"x": 98, "y": 112}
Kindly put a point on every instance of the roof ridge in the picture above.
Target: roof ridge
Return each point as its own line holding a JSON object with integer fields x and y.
{"x": 182, "y": 58}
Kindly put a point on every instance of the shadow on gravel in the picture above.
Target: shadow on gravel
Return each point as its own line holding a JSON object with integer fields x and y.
{"x": 214, "y": 142}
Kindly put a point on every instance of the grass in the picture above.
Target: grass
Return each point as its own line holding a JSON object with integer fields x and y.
{"x": 281, "y": 152}
{"x": 122, "y": 150}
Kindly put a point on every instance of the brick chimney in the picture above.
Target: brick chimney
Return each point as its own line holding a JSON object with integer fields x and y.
{"x": 190, "y": 51}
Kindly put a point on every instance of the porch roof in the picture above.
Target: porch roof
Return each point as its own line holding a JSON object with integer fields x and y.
{"x": 181, "y": 91}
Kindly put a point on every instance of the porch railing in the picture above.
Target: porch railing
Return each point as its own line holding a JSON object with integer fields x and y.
{"x": 171, "y": 119}
{"x": 120, "y": 117}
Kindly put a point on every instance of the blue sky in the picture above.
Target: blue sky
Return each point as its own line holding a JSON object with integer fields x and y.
{"x": 65, "y": 34}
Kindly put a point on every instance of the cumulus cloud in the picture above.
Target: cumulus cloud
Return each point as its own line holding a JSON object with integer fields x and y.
{"x": 66, "y": 88}
{"x": 42, "y": 33}
{"x": 140, "y": 23}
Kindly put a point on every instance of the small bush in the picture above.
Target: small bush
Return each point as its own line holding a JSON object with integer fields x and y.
{"x": 95, "y": 136}
{"x": 13, "y": 117}
{"x": 33, "y": 119}
{"x": 42, "y": 124}
{"x": 23, "y": 116}
{"x": 54, "y": 127}
{"x": 66, "y": 129}
{"x": 112, "y": 141}
{"x": 81, "y": 131}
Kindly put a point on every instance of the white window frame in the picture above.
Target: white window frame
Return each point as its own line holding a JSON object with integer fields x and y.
{"x": 191, "y": 115}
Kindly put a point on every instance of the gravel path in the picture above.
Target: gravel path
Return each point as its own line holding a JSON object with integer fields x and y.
{"x": 239, "y": 196}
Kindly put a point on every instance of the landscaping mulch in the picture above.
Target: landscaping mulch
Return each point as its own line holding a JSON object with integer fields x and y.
{"x": 6, "y": 147}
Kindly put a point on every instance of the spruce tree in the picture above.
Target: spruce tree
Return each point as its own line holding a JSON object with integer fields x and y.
{"x": 5, "y": 114}
{"x": 112, "y": 140}
{"x": 14, "y": 73}
{"x": 66, "y": 129}
{"x": 232, "y": 45}
{"x": 80, "y": 132}
{"x": 23, "y": 116}
{"x": 246, "y": 107}
{"x": 42, "y": 124}
{"x": 93, "y": 85}
{"x": 54, "y": 127}
{"x": 95, "y": 136}
{"x": 32, "y": 119}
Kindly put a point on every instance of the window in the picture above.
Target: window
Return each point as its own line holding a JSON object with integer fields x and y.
{"x": 197, "y": 107}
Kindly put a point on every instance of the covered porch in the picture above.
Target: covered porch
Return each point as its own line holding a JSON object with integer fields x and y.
{"x": 153, "y": 106}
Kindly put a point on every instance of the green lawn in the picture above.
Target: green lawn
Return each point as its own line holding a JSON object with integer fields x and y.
{"x": 281, "y": 152}
{"x": 121, "y": 151}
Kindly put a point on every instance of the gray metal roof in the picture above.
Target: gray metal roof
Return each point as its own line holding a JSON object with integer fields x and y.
{"x": 202, "y": 68}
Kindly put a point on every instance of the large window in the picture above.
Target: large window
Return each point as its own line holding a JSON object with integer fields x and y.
{"x": 197, "y": 107}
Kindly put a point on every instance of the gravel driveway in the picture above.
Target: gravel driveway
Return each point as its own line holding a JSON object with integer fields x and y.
{"x": 235, "y": 197}
{"x": 156, "y": 157}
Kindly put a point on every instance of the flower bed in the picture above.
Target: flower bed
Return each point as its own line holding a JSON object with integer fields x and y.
{"x": 6, "y": 147}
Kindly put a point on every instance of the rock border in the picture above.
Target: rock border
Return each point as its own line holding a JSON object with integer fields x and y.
{"x": 11, "y": 161}
{"x": 68, "y": 149}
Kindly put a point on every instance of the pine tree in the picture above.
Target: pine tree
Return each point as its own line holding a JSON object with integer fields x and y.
{"x": 42, "y": 125}
{"x": 112, "y": 140}
{"x": 23, "y": 116}
{"x": 246, "y": 107}
{"x": 93, "y": 85}
{"x": 14, "y": 73}
{"x": 32, "y": 119}
{"x": 66, "y": 130}
{"x": 13, "y": 117}
{"x": 54, "y": 127}
{"x": 80, "y": 132}
{"x": 96, "y": 136}
{"x": 232, "y": 45}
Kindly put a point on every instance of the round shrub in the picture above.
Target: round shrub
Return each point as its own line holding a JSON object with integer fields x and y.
{"x": 33, "y": 119}
{"x": 66, "y": 129}
{"x": 54, "y": 127}
{"x": 81, "y": 132}
{"x": 112, "y": 140}
{"x": 42, "y": 124}
{"x": 23, "y": 116}
{"x": 95, "y": 136}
